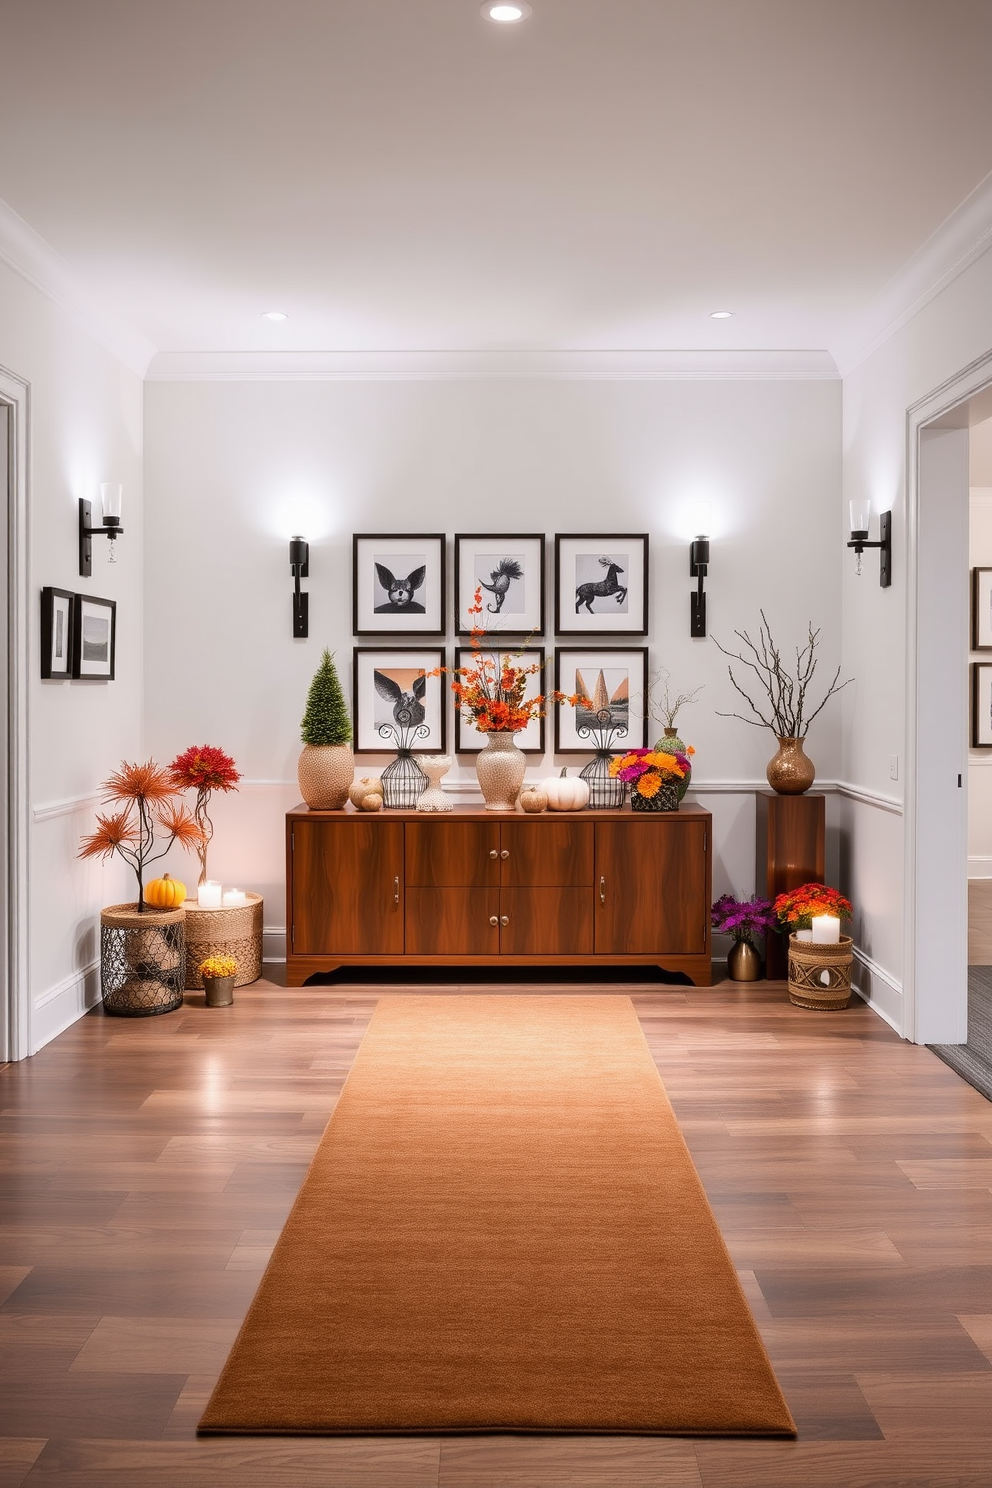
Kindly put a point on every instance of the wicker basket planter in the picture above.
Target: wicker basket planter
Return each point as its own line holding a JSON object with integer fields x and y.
{"x": 233, "y": 930}
{"x": 142, "y": 960}
{"x": 820, "y": 975}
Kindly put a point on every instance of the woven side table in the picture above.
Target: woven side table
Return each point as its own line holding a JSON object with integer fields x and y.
{"x": 819, "y": 974}
{"x": 233, "y": 930}
{"x": 142, "y": 960}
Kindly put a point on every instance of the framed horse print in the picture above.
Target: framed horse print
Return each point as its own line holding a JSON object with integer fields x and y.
{"x": 601, "y": 583}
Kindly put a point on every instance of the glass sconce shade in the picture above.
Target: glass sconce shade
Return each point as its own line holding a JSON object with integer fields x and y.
{"x": 110, "y": 499}
{"x": 860, "y": 517}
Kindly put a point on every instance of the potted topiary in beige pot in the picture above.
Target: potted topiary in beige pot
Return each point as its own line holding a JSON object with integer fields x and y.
{"x": 326, "y": 767}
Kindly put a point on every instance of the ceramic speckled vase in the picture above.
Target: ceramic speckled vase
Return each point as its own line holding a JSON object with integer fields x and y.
{"x": 325, "y": 773}
{"x": 500, "y": 767}
{"x": 670, "y": 743}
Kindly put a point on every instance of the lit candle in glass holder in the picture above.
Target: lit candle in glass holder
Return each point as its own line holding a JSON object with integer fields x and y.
{"x": 233, "y": 897}
{"x": 208, "y": 895}
{"x": 826, "y": 929}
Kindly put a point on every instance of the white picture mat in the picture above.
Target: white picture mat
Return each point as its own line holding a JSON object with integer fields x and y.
{"x": 616, "y": 665}
{"x": 607, "y": 616}
{"x": 96, "y": 639}
{"x": 983, "y": 608}
{"x": 398, "y": 553}
{"x": 476, "y": 557}
{"x": 370, "y": 708}
{"x": 982, "y": 727}
{"x": 468, "y": 740}
{"x": 60, "y": 659}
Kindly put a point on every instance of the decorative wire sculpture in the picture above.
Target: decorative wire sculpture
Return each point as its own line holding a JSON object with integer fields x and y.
{"x": 142, "y": 971}
{"x": 605, "y": 790}
{"x": 403, "y": 781}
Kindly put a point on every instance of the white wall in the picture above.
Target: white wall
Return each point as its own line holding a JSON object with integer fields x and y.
{"x": 953, "y": 330}
{"x": 85, "y": 427}
{"x": 233, "y": 468}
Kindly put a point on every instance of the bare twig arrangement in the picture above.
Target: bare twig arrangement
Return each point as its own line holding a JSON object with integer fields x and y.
{"x": 663, "y": 705}
{"x": 787, "y": 690}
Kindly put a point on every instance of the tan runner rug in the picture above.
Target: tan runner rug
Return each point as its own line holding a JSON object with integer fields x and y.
{"x": 501, "y": 1230}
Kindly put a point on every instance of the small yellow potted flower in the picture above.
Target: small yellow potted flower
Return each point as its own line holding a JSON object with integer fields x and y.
{"x": 218, "y": 973}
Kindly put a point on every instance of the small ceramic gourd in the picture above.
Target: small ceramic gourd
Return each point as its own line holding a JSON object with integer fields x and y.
{"x": 534, "y": 798}
{"x": 366, "y": 793}
{"x": 566, "y": 792}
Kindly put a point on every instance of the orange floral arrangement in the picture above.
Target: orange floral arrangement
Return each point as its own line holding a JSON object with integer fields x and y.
{"x": 646, "y": 770}
{"x": 204, "y": 768}
{"x": 147, "y": 797}
{"x": 492, "y": 691}
{"x": 796, "y": 907}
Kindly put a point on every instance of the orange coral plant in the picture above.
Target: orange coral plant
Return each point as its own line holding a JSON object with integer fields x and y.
{"x": 148, "y": 795}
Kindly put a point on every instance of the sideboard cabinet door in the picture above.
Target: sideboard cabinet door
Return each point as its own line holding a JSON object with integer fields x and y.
{"x": 347, "y": 888}
{"x": 651, "y": 892}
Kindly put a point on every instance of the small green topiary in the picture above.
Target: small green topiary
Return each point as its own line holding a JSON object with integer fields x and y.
{"x": 326, "y": 719}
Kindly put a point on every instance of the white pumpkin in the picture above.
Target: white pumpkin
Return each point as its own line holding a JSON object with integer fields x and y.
{"x": 566, "y": 792}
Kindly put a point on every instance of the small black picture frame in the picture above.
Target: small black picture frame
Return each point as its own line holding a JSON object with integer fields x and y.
{"x": 57, "y": 615}
{"x": 94, "y": 638}
{"x": 508, "y": 568}
{"x": 620, "y": 673}
{"x": 981, "y": 609}
{"x": 401, "y": 665}
{"x": 981, "y": 705}
{"x": 530, "y": 740}
{"x": 601, "y": 583}
{"x": 398, "y": 583}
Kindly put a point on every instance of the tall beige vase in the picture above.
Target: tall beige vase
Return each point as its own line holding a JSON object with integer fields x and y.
{"x": 325, "y": 773}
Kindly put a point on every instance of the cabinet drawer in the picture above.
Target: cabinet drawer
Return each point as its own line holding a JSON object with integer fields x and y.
{"x": 545, "y": 922}
{"x": 452, "y": 922}
{"x": 442, "y": 853}
{"x": 551, "y": 851}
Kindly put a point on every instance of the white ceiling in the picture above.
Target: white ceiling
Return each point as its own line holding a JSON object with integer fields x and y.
{"x": 403, "y": 175}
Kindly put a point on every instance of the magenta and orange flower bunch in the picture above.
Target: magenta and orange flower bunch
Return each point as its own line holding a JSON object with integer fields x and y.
{"x": 796, "y": 908}
{"x": 646, "y": 770}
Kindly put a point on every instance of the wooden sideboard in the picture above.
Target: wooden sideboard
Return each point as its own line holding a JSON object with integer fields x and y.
{"x": 480, "y": 888}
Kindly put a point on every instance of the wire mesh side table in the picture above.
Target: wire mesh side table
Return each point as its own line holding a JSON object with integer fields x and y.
{"x": 142, "y": 960}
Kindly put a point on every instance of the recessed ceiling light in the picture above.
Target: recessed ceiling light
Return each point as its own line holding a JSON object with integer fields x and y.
{"x": 505, "y": 12}
{"x": 274, "y": 315}
{"x": 721, "y": 315}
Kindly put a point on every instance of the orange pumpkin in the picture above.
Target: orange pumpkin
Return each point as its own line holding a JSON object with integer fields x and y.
{"x": 165, "y": 892}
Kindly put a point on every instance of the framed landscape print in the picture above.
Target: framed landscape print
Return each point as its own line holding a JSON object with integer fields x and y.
{"x": 398, "y": 583}
{"x": 601, "y": 583}
{"x": 981, "y": 705}
{"x": 509, "y": 571}
{"x": 530, "y": 740}
{"x": 615, "y": 682}
{"x": 94, "y": 637}
{"x": 981, "y": 609}
{"x": 56, "y": 633}
{"x": 394, "y": 697}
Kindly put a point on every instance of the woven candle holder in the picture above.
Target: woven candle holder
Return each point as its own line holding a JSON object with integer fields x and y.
{"x": 820, "y": 974}
{"x": 233, "y": 930}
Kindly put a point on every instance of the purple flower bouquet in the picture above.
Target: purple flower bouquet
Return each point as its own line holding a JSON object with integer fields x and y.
{"x": 743, "y": 918}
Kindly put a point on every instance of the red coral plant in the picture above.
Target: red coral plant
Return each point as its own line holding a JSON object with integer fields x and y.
{"x": 204, "y": 769}
{"x": 146, "y": 794}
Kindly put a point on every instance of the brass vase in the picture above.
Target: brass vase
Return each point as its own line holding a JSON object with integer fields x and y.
{"x": 743, "y": 962}
{"x": 791, "y": 771}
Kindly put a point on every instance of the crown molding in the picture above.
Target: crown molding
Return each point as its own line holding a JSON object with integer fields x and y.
{"x": 34, "y": 259}
{"x": 961, "y": 239}
{"x": 458, "y": 366}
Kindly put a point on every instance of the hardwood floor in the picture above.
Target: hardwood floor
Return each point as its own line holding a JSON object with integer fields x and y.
{"x": 980, "y": 922}
{"x": 148, "y": 1165}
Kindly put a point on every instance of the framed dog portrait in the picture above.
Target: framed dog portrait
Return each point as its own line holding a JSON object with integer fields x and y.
{"x": 94, "y": 637}
{"x": 508, "y": 571}
{"x": 601, "y": 583}
{"x": 530, "y": 740}
{"x": 56, "y": 634}
{"x": 396, "y": 703}
{"x": 615, "y": 682}
{"x": 398, "y": 583}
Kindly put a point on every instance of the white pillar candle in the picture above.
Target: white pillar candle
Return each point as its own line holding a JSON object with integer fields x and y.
{"x": 804, "y": 935}
{"x": 826, "y": 929}
{"x": 235, "y": 896}
{"x": 208, "y": 895}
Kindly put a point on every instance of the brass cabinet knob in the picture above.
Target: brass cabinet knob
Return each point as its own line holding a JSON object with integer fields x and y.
{"x": 505, "y": 853}
{"x": 493, "y": 853}
{"x": 504, "y": 919}
{"x": 493, "y": 920}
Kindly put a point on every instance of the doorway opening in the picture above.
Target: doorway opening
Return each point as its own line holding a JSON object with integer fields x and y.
{"x": 15, "y": 1032}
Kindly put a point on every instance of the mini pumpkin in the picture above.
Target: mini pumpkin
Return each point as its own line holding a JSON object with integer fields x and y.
{"x": 165, "y": 892}
{"x": 368, "y": 785}
{"x": 566, "y": 792}
{"x": 534, "y": 798}
{"x": 371, "y": 802}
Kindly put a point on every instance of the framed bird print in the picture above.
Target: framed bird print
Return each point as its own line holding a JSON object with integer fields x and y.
{"x": 398, "y": 583}
{"x": 507, "y": 573}
{"x": 601, "y": 583}
{"x": 399, "y": 704}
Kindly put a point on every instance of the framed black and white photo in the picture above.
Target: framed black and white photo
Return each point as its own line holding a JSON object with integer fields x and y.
{"x": 56, "y": 633}
{"x": 981, "y": 705}
{"x": 508, "y": 571}
{"x": 398, "y": 583}
{"x": 397, "y": 704}
{"x": 530, "y": 740}
{"x": 615, "y": 682}
{"x": 981, "y": 609}
{"x": 601, "y": 583}
{"x": 94, "y": 637}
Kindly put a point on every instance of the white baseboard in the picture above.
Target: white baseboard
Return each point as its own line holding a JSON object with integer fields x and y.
{"x": 980, "y": 866}
{"x": 879, "y": 989}
{"x": 58, "y": 1007}
{"x": 273, "y": 945}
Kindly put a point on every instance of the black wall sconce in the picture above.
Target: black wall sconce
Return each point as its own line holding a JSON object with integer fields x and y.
{"x": 860, "y": 518}
{"x": 699, "y": 560}
{"x": 110, "y": 498}
{"x": 299, "y": 567}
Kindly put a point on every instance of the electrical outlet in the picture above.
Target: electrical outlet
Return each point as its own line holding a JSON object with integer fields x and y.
{"x": 893, "y": 767}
